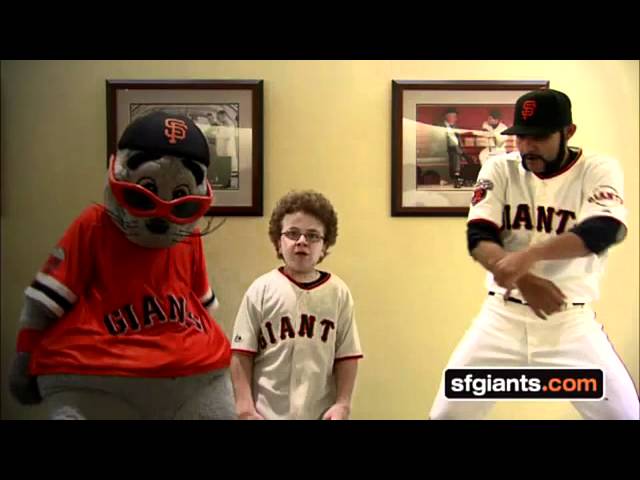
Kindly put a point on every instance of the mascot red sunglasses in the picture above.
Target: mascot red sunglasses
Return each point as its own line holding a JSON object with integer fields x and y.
{"x": 141, "y": 202}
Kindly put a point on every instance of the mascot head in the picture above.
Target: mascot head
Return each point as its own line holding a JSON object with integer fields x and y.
{"x": 157, "y": 187}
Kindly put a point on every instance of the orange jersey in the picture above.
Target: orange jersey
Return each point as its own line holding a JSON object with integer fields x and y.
{"x": 125, "y": 310}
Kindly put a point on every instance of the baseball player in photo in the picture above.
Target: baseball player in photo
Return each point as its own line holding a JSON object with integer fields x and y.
{"x": 541, "y": 222}
{"x": 295, "y": 344}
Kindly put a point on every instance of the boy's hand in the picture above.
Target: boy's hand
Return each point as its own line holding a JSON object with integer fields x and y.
{"x": 338, "y": 411}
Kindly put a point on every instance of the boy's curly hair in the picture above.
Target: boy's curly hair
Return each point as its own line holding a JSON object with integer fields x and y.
{"x": 311, "y": 203}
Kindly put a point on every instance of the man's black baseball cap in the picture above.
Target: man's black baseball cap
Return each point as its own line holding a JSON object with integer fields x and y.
{"x": 540, "y": 112}
{"x": 161, "y": 133}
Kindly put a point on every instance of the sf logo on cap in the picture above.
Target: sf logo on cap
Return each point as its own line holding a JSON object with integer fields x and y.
{"x": 528, "y": 109}
{"x": 175, "y": 130}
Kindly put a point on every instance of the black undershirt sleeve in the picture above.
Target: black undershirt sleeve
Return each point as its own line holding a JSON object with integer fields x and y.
{"x": 479, "y": 231}
{"x": 599, "y": 233}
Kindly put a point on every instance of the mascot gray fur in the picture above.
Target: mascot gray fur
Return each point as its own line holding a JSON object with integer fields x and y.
{"x": 119, "y": 322}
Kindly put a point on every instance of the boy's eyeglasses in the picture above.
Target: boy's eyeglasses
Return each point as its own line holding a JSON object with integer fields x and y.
{"x": 141, "y": 202}
{"x": 311, "y": 237}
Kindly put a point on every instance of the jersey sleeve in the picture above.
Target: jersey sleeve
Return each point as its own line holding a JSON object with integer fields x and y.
{"x": 247, "y": 324}
{"x": 487, "y": 202}
{"x": 69, "y": 267}
{"x": 201, "y": 286}
{"x": 603, "y": 191}
{"x": 347, "y": 338}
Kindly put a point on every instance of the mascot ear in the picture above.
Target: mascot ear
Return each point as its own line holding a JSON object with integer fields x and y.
{"x": 198, "y": 170}
{"x": 118, "y": 164}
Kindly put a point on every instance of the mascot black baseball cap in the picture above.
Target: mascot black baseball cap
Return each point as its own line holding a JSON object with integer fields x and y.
{"x": 540, "y": 112}
{"x": 161, "y": 133}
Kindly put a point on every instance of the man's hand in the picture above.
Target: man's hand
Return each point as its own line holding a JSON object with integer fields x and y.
{"x": 542, "y": 295}
{"x": 337, "y": 411}
{"x": 510, "y": 268}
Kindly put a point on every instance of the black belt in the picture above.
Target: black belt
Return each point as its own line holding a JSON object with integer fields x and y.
{"x": 517, "y": 300}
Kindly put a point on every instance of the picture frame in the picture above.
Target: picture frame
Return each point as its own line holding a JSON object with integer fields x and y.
{"x": 230, "y": 114}
{"x": 435, "y": 163}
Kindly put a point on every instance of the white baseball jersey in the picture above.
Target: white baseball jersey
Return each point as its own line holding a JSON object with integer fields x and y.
{"x": 528, "y": 209}
{"x": 296, "y": 332}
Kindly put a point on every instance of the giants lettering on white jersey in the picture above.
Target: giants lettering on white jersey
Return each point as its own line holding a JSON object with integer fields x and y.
{"x": 548, "y": 219}
{"x": 307, "y": 329}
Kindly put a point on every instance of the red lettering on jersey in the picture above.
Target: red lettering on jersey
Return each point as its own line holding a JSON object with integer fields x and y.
{"x": 286, "y": 330}
{"x": 523, "y": 215}
{"x": 307, "y": 323}
{"x": 605, "y": 196}
{"x": 272, "y": 337}
{"x": 327, "y": 325}
{"x": 545, "y": 219}
{"x": 566, "y": 215}
{"x": 262, "y": 342}
{"x": 506, "y": 218}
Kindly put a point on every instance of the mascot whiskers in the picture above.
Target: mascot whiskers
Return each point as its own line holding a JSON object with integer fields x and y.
{"x": 118, "y": 324}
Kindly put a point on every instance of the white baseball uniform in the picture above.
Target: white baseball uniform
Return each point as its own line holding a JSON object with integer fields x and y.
{"x": 528, "y": 209}
{"x": 296, "y": 332}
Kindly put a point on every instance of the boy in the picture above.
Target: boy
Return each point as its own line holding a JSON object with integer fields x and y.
{"x": 295, "y": 342}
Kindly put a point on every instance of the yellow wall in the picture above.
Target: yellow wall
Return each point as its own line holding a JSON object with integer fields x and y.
{"x": 327, "y": 126}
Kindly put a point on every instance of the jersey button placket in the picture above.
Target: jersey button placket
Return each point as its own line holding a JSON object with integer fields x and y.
{"x": 296, "y": 374}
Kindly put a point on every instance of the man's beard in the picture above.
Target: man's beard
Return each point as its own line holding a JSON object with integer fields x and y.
{"x": 550, "y": 167}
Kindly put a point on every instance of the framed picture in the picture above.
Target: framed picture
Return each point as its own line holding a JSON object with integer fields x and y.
{"x": 229, "y": 113}
{"x": 442, "y": 133}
